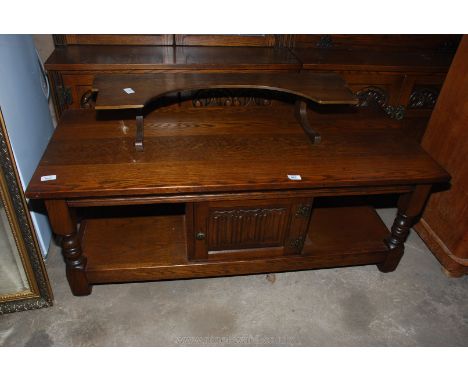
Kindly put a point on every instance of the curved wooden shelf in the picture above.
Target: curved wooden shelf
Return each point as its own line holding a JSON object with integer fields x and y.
{"x": 118, "y": 92}
{"x": 322, "y": 88}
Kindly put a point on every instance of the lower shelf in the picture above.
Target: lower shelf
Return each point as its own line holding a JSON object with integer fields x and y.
{"x": 154, "y": 247}
{"x": 345, "y": 230}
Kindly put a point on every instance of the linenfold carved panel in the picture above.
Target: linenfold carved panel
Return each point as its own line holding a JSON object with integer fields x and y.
{"x": 226, "y": 97}
{"x": 241, "y": 228}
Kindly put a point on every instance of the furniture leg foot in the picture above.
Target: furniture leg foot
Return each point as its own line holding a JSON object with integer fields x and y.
{"x": 409, "y": 207}
{"x": 78, "y": 282}
{"x": 63, "y": 222}
{"x": 395, "y": 242}
{"x": 75, "y": 265}
{"x": 392, "y": 261}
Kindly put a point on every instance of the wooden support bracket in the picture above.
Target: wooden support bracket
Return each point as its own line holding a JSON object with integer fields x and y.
{"x": 301, "y": 115}
{"x": 321, "y": 88}
{"x": 139, "y": 133}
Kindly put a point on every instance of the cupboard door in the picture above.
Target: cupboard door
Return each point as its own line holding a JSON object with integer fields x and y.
{"x": 249, "y": 229}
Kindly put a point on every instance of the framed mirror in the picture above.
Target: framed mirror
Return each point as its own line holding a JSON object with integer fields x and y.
{"x": 23, "y": 278}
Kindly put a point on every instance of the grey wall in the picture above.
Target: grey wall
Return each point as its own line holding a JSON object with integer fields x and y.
{"x": 26, "y": 113}
{"x": 45, "y": 46}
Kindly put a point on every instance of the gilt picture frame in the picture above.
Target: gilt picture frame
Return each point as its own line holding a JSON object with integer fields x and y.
{"x": 37, "y": 292}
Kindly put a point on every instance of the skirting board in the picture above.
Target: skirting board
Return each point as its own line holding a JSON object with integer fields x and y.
{"x": 453, "y": 266}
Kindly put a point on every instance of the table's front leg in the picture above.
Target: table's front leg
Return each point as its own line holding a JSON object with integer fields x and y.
{"x": 64, "y": 225}
{"x": 410, "y": 206}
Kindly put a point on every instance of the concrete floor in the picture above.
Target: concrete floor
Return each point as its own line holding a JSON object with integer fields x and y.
{"x": 417, "y": 305}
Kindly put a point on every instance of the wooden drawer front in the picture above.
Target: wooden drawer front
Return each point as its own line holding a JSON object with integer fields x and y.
{"x": 249, "y": 229}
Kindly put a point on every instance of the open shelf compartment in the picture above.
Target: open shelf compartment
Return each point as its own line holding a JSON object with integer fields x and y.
{"x": 345, "y": 231}
{"x": 154, "y": 247}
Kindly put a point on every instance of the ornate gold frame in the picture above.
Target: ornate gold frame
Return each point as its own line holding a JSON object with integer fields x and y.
{"x": 39, "y": 294}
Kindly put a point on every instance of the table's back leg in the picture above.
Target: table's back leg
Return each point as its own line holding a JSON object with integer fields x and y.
{"x": 410, "y": 206}
{"x": 64, "y": 225}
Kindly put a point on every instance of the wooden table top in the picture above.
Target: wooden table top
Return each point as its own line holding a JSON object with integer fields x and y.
{"x": 203, "y": 150}
{"x": 113, "y": 90}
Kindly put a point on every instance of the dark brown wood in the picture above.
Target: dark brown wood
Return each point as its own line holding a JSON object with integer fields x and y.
{"x": 228, "y": 268}
{"x": 134, "y": 242}
{"x": 334, "y": 231}
{"x": 301, "y": 209}
{"x": 244, "y": 150}
{"x": 234, "y": 188}
{"x": 444, "y": 225}
{"x": 76, "y": 65}
{"x": 137, "y": 91}
{"x": 139, "y": 133}
{"x": 150, "y": 58}
{"x": 64, "y": 225}
{"x": 225, "y": 58}
{"x": 108, "y": 57}
{"x": 241, "y": 230}
{"x": 410, "y": 207}
{"x": 322, "y": 88}
{"x": 181, "y": 198}
{"x": 337, "y": 60}
{"x": 303, "y": 118}
{"x": 118, "y": 39}
{"x": 110, "y": 246}
{"x": 401, "y": 64}
{"x": 249, "y": 229}
{"x": 225, "y": 40}
{"x": 378, "y": 42}
{"x": 369, "y": 42}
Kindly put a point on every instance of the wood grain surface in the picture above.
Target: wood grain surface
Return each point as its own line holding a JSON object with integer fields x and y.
{"x": 226, "y": 150}
{"x": 106, "y": 57}
{"x": 153, "y": 248}
{"x": 323, "y": 88}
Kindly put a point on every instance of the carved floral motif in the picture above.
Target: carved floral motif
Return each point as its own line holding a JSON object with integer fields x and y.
{"x": 375, "y": 95}
{"x": 423, "y": 98}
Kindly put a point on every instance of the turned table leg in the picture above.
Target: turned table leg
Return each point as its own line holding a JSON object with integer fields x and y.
{"x": 410, "y": 206}
{"x": 64, "y": 224}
